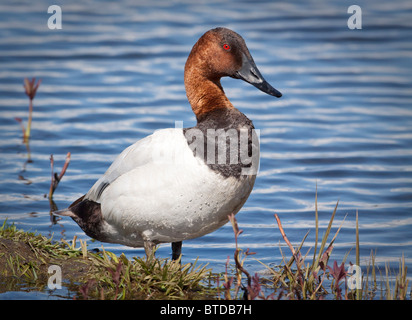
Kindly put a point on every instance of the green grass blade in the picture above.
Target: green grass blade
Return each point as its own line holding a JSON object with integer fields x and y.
{"x": 325, "y": 238}
{"x": 316, "y": 225}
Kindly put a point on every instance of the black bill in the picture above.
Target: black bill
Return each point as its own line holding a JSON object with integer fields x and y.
{"x": 251, "y": 74}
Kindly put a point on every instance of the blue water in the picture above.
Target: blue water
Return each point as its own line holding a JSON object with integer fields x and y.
{"x": 114, "y": 74}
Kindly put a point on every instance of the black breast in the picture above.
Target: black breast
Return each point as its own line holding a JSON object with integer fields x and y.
{"x": 227, "y": 141}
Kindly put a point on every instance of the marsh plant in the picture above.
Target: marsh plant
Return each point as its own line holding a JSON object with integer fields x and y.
{"x": 310, "y": 277}
{"x": 55, "y": 178}
{"x": 30, "y": 87}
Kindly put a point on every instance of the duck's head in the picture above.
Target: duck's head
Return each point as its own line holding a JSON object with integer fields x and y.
{"x": 222, "y": 52}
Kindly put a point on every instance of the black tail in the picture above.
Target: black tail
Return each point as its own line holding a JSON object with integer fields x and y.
{"x": 87, "y": 214}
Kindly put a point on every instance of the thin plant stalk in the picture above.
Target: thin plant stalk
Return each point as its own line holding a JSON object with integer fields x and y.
{"x": 55, "y": 178}
{"x": 30, "y": 88}
{"x": 239, "y": 265}
{"x": 28, "y": 128}
{"x": 325, "y": 237}
{"x": 282, "y": 232}
{"x": 316, "y": 225}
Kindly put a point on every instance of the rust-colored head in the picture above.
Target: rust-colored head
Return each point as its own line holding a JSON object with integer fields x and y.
{"x": 219, "y": 53}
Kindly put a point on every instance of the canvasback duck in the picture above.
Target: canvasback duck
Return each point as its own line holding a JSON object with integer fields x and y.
{"x": 179, "y": 184}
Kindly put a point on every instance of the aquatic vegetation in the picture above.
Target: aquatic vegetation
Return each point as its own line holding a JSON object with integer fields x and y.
{"x": 30, "y": 88}
{"x": 56, "y": 178}
{"x": 297, "y": 279}
{"x": 253, "y": 288}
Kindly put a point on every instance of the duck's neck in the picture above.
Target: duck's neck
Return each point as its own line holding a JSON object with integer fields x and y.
{"x": 204, "y": 94}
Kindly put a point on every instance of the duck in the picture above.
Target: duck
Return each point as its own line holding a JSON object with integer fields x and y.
{"x": 182, "y": 183}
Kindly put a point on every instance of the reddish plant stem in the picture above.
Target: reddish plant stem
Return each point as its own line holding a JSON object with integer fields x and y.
{"x": 55, "y": 179}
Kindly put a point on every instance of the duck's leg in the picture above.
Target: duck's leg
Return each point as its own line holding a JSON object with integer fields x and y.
{"x": 149, "y": 247}
{"x": 176, "y": 250}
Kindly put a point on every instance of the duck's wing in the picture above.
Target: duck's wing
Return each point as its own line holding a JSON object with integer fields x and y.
{"x": 145, "y": 151}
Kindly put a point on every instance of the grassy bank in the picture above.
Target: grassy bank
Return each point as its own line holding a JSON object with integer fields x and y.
{"x": 25, "y": 259}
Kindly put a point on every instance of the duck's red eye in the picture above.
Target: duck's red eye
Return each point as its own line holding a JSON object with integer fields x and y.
{"x": 226, "y": 46}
